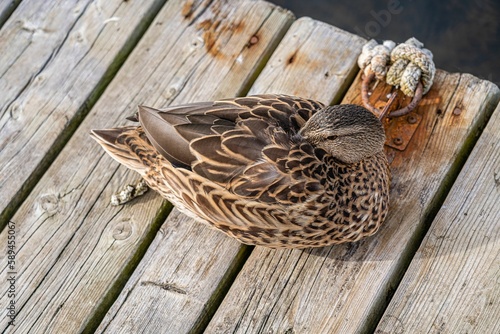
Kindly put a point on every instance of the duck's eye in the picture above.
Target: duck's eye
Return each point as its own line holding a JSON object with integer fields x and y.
{"x": 332, "y": 137}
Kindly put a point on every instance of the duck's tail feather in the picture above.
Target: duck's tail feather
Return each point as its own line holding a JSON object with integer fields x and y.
{"x": 127, "y": 145}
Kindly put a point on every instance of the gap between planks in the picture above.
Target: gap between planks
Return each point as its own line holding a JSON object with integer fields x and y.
{"x": 452, "y": 284}
{"x": 72, "y": 244}
{"x": 345, "y": 288}
{"x": 60, "y": 60}
{"x": 7, "y": 7}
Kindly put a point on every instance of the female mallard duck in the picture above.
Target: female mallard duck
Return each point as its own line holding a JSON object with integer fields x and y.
{"x": 271, "y": 170}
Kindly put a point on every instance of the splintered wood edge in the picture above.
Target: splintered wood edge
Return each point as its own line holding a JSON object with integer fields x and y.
{"x": 453, "y": 281}
{"x": 351, "y": 283}
{"x": 303, "y": 39}
{"x": 77, "y": 251}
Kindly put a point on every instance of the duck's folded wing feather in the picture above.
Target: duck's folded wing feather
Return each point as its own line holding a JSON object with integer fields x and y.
{"x": 171, "y": 130}
{"x": 245, "y": 144}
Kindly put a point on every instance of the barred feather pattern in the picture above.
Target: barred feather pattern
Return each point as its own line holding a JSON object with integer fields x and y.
{"x": 241, "y": 166}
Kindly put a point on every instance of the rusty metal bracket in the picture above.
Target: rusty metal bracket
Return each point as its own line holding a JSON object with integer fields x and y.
{"x": 400, "y": 125}
{"x": 400, "y": 130}
{"x": 365, "y": 96}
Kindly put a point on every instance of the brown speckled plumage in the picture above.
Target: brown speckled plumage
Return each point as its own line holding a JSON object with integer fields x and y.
{"x": 263, "y": 169}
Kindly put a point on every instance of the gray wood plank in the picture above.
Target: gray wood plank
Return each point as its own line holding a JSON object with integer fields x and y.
{"x": 453, "y": 282}
{"x": 6, "y": 9}
{"x": 200, "y": 262}
{"x": 56, "y": 59}
{"x": 343, "y": 289}
{"x": 74, "y": 250}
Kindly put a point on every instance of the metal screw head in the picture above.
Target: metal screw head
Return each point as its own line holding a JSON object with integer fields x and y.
{"x": 457, "y": 111}
{"x": 397, "y": 141}
{"x": 254, "y": 40}
{"x": 411, "y": 119}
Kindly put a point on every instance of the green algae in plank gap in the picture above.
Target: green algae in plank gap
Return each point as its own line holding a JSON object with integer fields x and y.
{"x": 454, "y": 277}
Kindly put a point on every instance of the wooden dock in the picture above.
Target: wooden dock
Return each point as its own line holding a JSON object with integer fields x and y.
{"x": 82, "y": 265}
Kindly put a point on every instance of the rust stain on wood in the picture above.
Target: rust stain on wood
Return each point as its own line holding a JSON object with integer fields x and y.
{"x": 213, "y": 30}
{"x": 187, "y": 9}
{"x": 292, "y": 57}
{"x": 209, "y": 35}
{"x": 253, "y": 40}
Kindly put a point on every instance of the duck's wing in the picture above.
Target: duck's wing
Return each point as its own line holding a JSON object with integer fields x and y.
{"x": 171, "y": 130}
{"x": 248, "y": 145}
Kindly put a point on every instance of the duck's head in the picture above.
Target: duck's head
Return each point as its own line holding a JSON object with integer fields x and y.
{"x": 348, "y": 132}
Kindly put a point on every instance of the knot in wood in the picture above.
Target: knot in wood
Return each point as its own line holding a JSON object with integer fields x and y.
{"x": 122, "y": 230}
{"x": 50, "y": 203}
{"x": 254, "y": 40}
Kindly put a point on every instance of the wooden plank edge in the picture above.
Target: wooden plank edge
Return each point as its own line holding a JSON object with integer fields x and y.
{"x": 81, "y": 113}
{"x": 222, "y": 289}
{"x": 211, "y": 306}
{"x": 272, "y": 47}
{"x": 431, "y": 212}
{"x": 7, "y": 11}
{"x": 129, "y": 268}
{"x": 351, "y": 76}
{"x": 383, "y": 294}
{"x": 473, "y": 182}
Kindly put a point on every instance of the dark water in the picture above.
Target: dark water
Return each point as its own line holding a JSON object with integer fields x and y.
{"x": 463, "y": 35}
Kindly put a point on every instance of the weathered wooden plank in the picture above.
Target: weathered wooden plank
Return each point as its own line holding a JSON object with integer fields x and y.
{"x": 6, "y": 9}
{"x": 56, "y": 59}
{"x": 453, "y": 282}
{"x": 342, "y": 289}
{"x": 315, "y": 61}
{"x": 74, "y": 251}
{"x": 189, "y": 264}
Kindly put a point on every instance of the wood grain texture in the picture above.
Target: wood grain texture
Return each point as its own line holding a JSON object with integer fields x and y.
{"x": 75, "y": 251}
{"x": 55, "y": 60}
{"x": 197, "y": 261}
{"x": 6, "y": 9}
{"x": 453, "y": 282}
{"x": 342, "y": 289}
{"x": 315, "y": 60}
